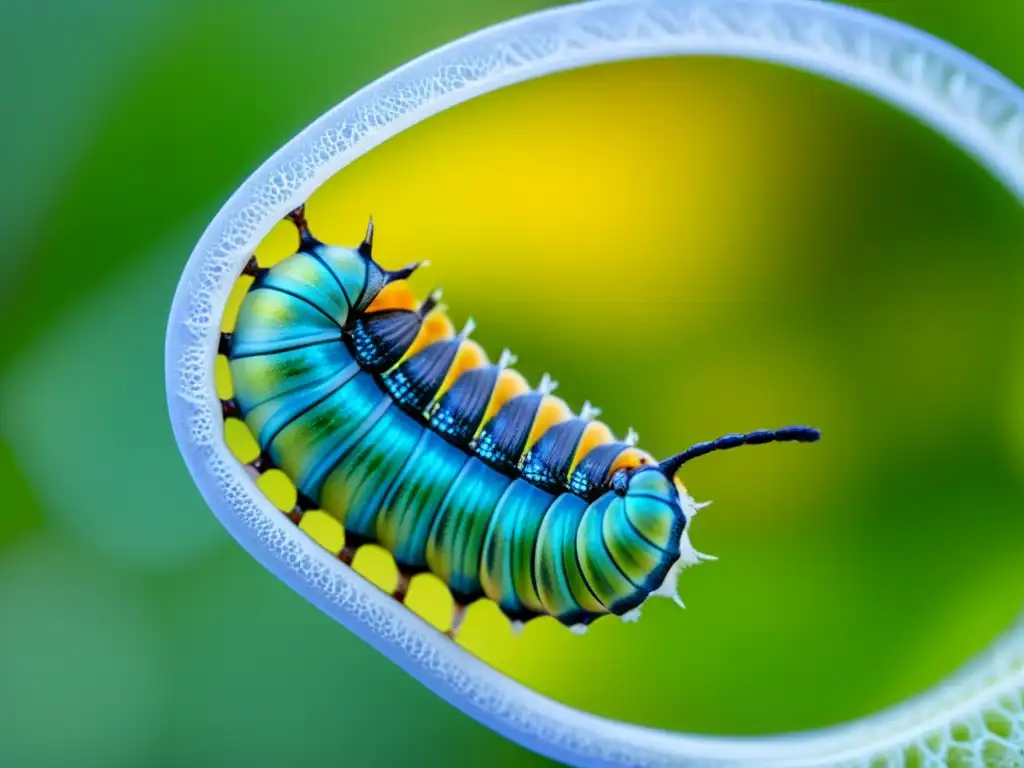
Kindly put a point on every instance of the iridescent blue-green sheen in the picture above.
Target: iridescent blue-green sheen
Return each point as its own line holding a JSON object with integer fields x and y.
{"x": 456, "y": 538}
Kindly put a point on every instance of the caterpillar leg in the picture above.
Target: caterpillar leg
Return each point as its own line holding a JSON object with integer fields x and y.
{"x": 303, "y": 504}
{"x": 258, "y": 466}
{"x": 458, "y": 616}
{"x": 224, "y": 346}
{"x": 347, "y": 554}
{"x": 229, "y": 409}
{"x": 402, "y": 589}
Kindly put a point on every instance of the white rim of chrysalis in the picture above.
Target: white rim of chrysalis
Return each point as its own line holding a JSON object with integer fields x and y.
{"x": 971, "y": 104}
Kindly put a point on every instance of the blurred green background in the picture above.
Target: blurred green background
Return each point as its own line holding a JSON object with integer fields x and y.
{"x": 696, "y": 246}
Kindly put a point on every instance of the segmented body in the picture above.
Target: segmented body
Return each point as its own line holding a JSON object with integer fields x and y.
{"x": 407, "y": 434}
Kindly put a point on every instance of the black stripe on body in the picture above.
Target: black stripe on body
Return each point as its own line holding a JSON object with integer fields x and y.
{"x": 590, "y": 477}
{"x": 548, "y": 461}
{"x": 380, "y": 339}
{"x": 415, "y": 383}
{"x": 462, "y": 408}
{"x": 260, "y": 284}
{"x": 503, "y": 439}
{"x": 278, "y": 350}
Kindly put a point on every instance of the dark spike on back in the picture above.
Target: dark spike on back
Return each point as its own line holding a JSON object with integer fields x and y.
{"x": 430, "y": 303}
{"x": 298, "y": 218}
{"x": 253, "y": 269}
{"x": 405, "y": 272}
{"x": 366, "y": 247}
{"x": 759, "y": 437}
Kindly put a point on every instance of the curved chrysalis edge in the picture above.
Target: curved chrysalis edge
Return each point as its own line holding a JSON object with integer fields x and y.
{"x": 974, "y": 106}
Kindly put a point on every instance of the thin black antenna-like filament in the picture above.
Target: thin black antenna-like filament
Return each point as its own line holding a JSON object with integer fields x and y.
{"x": 786, "y": 434}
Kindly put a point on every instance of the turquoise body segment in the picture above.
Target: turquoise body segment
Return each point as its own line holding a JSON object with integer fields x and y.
{"x": 349, "y": 269}
{"x": 268, "y": 418}
{"x": 260, "y": 378}
{"x": 456, "y": 539}
{"x": 355, "y": 489}
{"x": 270, "y": 321}
{"x": 309, "y": 279}
{"x": 318, "y": 437}
{"x": 652, "y": 517}
{"x": 404, "y": 521}
{"x": 643, "y": 563}
{"x": 556, "y": 554}
{"x": 506, "y": 572}
{"x": 608, "y": 583}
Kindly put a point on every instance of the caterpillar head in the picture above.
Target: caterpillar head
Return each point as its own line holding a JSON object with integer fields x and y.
{"x": 658, "y": 506}
{"x": 627, "y": 466}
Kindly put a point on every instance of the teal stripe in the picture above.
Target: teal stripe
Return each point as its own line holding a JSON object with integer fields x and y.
{"x": 507, "y": 568}
{"x": 651, "y": 482}
{"x": 269, "y": 321}
{"x": 643, "y": 563}
{"x": 267, "y": 419}
{"x": 312, "y": 480}
{"x": 261, "y": 378}
{"x": 659, "y": 521}
{"x": 455, "y": 541}
{"x": 405, "y": 518}
{"x": 307, "y": 276}
{"x": 550, "y": 572}
{"x": 606, "y": 581}
{"x": 348, "y": 267}
{"x": 304, "y": 448}
{"x": 354, "y": 490}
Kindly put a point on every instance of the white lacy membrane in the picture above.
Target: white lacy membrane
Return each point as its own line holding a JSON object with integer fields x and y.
{"x": 976, "y": 715}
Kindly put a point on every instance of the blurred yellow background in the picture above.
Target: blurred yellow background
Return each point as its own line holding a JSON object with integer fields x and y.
{"x": 695, "y": 246}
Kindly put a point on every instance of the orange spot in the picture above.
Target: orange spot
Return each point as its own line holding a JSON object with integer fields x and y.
{"x": 470, "y": 355}
{"x": 597, "y": 433}
{"x": 553, "y": 410}
{"x": 436, "y": 327}
{"x": 397, "y": 295}
{"x": 630, "y": 459}
{"x": 510, "y": 383}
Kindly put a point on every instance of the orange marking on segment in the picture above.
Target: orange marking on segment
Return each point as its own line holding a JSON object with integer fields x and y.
{"x": 597, "y": 433}
{"x": 470, "y": 355}
{"x": 553, "y": 410}
{"x": 631, "y": 458}
{"x": 510, "y": 383}
{"x": 436, "y": 327}
{"x": 396, "y": 295}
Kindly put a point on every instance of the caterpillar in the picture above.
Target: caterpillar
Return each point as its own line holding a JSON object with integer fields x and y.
{"x": 403, "y": 430}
